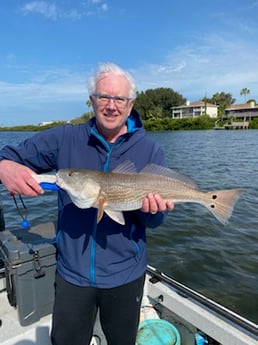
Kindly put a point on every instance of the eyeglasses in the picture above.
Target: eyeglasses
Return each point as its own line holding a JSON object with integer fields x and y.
{"x": 120, "y": 102}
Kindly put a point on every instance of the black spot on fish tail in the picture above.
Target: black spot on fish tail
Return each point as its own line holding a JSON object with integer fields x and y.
{"x": 214, "y": 197}
{"x": 222, "y": 203}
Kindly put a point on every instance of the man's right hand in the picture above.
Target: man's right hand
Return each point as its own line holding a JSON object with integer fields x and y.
{"x": 18, "y": 179}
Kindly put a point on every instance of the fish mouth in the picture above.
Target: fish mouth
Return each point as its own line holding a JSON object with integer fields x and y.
{"x": 58, "y": 181}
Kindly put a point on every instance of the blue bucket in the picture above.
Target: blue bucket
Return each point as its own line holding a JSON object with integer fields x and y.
{"x": 157, "y": 332}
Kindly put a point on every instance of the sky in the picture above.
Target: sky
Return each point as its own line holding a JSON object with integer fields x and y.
{"x": 49, "y": 49}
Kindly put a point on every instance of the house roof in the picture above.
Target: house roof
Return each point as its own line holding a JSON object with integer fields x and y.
{"x": 201, "y": 103}
{"x": 242, "y": 106}
{"x": 196, "y": 104}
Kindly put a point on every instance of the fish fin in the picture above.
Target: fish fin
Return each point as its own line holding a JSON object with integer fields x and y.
{"x": 82, "y": 203}
{"x": 222, "y": 203}
{"x": 125, "y": 167}
{"x": 164, "y": 171}
{"x": 100, "y": 209}
{"x": 117, "y": 216}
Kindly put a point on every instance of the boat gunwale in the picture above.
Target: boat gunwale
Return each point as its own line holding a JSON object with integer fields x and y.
{"x": 245, "y": 325}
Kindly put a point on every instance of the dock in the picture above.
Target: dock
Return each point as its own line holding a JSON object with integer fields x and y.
{"x": 234, "y": 125}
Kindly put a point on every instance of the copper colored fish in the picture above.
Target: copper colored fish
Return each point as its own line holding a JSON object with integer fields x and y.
{"x": 123, "y": 189}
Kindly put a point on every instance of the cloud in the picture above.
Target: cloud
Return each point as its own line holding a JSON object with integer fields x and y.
{"x": 10, "y": 58}
{"x": 51, "y": 94}
{"x": 44, "y": 8}
{"x": 50, "y": 11}
{"x": 47, "y": 85}
{"x": 104, "y": 7}
{"x": 213, "y": 63}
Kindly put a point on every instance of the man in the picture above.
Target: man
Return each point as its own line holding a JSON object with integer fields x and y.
{"x": 99, "y": 266}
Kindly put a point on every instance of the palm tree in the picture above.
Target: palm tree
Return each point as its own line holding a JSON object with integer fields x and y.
{"x": 244, "y": 92}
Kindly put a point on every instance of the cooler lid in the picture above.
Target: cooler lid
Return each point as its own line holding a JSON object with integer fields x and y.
{"x": 19, "y": 245}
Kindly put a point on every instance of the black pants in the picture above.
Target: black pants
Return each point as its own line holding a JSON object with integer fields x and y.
{"x": 76, "y": 307}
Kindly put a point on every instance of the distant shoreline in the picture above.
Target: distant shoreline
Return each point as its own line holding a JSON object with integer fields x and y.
{"x": 203, "y": 122}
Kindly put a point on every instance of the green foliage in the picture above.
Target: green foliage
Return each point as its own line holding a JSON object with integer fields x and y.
{"x": 201, "y": 122}
{"x": 35, "y": 128}
{"x": 31, "y": 128}
{"x": 253, "y": 124}
{"x": 51, "y": 125}
{"x": 154, "y": 107}
{"x": 251, "y": 100}
{"x": 222, "y": 99}
{"x": 157, "y": 103}
{"x": 244, "y": 92}
{"x": 155, "y": 113}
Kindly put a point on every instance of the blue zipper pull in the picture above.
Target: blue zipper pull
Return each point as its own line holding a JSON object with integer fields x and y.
{"x": 49, "y": 186}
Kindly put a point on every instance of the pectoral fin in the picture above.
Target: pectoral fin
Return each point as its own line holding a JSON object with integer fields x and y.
{"x": 117, "y": 216}
{"x": 100, "y": 209}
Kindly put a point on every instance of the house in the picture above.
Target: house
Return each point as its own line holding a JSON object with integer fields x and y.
{"x": 45, "y": 123}
{"x": 245, "y": 112}
{"x": 194, "y": 109}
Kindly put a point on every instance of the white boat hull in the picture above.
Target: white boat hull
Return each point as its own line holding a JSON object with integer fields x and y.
{"x": 164, "y": 301}
{"x": 190, "y": 313}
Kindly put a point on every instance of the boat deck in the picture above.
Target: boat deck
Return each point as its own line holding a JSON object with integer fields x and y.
{"x": 164, "y": 298}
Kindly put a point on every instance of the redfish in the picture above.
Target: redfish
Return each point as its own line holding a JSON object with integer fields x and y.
{"x": 124, "y": 189}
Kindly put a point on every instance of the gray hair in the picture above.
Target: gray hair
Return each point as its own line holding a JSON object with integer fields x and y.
{"x": 110, "y": 68}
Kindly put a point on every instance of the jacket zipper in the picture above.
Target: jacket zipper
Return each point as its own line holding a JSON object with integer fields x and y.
{"x": 94, "y": 232}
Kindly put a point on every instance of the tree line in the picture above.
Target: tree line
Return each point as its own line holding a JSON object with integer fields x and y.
{"x": 157, "y": 103}
{"x": 154, "y": 107}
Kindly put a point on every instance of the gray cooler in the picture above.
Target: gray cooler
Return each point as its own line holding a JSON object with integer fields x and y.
{"x": 29, "y": 258}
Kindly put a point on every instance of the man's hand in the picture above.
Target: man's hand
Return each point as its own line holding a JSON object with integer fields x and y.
{"x": 18, "y": 179}
{"x": 154, "y": 203}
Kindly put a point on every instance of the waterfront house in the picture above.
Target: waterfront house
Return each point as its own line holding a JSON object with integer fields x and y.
{"x": 194, "y": 109}
{"x": 244, "y": 112}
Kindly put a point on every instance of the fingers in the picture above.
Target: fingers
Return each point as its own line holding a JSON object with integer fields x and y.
{"x": 34, "y": 186}
{"x": 27, "y": 185}
{"x": 25, "y": 188}
{"x": 154, "y": 203}
{"x": 18, "y": 179}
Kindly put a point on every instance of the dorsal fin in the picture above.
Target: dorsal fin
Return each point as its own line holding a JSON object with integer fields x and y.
{"x": 127, "y": 167}
{"x": 163, "y": 171}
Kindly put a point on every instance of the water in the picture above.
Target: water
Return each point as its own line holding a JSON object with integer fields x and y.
{"x": 219, "y": 261}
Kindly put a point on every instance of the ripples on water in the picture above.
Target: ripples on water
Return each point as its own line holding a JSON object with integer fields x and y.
{"x": 192, "y": 246}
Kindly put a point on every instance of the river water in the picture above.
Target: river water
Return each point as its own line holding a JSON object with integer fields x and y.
{"x": 219, "y": 261}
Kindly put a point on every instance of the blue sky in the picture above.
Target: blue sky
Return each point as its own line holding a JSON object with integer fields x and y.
{"x": 50, "y": 48}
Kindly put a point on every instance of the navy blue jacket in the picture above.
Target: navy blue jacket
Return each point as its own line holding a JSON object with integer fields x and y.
{"x": 107, "y": 254}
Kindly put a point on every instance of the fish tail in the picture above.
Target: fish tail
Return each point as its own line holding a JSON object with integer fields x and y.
{"x": 221, "y": 203}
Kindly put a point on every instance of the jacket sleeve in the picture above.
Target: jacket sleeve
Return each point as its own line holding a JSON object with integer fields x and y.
{"x": 38, "y": 152}
{"x": 149, "y": 220}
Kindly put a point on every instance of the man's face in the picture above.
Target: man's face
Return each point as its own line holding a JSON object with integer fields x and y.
{"x": 112, "y": 113}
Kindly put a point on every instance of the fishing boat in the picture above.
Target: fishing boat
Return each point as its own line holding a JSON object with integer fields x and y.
{"x": 171, "y": 313}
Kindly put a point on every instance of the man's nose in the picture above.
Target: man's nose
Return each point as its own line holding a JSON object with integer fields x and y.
{"x": 111, "y": 103}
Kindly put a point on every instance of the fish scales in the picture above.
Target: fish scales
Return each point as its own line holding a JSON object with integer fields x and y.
{"x": 124, "y": 190}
